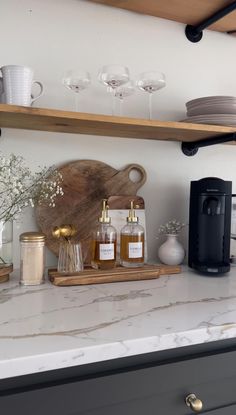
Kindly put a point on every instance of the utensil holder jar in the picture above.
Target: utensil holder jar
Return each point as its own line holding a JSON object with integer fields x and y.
{"x": 70, "y": 257}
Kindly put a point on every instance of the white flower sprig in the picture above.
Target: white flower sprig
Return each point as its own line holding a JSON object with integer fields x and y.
{"x": 173, "y": 227}
{"x": 19, "y": 187}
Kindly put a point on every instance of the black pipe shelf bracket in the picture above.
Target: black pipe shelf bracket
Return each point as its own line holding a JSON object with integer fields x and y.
{"x": 195, "y": 33}
{"x": 191, "y": 148}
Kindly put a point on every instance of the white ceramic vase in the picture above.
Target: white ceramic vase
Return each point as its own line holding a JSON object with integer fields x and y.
{"x": 171, "y": 252}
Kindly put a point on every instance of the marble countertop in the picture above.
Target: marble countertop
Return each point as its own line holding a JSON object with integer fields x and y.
{"x": 45, "y": 327}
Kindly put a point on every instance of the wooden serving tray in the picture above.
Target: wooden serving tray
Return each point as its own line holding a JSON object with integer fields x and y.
{"x": 118, "y": 274}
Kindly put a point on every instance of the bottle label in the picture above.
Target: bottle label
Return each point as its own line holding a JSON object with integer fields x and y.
{"x": 135, "y": 249}
{"x": 106, "y": 252}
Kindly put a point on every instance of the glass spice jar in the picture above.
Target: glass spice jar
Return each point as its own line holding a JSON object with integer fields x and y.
{"x": 32, "y": 258}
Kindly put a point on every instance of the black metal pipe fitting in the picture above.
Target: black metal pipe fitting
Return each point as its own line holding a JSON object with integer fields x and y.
{"x": 194, "y": 33}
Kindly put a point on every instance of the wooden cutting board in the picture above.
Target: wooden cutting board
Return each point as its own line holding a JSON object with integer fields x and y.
{"x": 85, "y": 184}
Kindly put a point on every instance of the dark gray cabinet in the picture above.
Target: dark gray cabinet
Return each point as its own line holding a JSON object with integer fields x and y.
{"x": 230, "y": 410}
{"x": 158, "y": 386}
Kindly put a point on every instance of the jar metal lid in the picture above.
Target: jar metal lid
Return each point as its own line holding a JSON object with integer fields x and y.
{"x": 33, "y": 236}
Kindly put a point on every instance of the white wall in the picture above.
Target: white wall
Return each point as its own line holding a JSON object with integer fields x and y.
{"x": 54, "y": 35}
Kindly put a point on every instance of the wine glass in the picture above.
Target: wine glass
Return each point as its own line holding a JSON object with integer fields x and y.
{"x": 113, "y": 76}
{"x": 76, "y": 80}
{"x": 122, "y": 92}
{"x": 151, "y": 82}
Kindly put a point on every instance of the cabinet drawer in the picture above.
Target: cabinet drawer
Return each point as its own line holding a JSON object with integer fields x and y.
{"x": 152, "y": 390}
{"x": 229, "y": 410}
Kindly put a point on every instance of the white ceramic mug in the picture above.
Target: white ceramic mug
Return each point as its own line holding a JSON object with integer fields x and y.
{"x": 16, "y": 85}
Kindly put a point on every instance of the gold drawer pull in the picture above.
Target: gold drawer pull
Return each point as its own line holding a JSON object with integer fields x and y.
{"x": 193, "y": 402}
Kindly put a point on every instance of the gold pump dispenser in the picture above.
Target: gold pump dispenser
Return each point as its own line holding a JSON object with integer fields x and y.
{"x": 132, "y": 218}
{"x": 104, "y": 241}
{"x": 132, "y": 241}
{"x": 104, "y": 218}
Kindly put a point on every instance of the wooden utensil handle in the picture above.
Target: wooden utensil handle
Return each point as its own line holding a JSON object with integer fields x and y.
{"x": 140, "y": 170}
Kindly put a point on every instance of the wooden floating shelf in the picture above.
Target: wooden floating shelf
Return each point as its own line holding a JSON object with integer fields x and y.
{"x": 190, "y": 12}
{"x": 27, "y": 118}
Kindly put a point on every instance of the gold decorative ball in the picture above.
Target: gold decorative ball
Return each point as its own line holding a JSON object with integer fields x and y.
{"x": 65, "y": 230}
{"x": 56, "y": 232}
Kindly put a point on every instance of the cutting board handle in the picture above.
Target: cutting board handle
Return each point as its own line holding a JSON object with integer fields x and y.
{"x": 136, "y": 167}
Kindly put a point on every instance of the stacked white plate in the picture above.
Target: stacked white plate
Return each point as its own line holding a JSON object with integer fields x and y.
{"x": 219, "y": 110}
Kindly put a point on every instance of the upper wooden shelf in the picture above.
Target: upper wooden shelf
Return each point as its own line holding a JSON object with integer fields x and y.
{"x": 27, "y": 118}
{"x": 190, "y": 12}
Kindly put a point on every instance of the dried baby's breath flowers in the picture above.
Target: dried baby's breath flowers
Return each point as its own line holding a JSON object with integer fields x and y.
{"x": 173, "y": 227}
{"x": 20, "y": 188}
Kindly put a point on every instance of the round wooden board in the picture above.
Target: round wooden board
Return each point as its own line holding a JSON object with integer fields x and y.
{"x": 85, "y": 184}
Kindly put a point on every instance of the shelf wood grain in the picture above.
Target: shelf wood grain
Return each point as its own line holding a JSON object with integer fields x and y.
{"x": 190, "y": 12}
{"x": 41, "y": 119}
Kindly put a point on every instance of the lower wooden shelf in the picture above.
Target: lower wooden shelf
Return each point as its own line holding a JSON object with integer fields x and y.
{"x": 42, "y": 119}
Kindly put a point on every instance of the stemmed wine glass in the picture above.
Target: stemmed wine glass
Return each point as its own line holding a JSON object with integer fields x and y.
{"x": 122, "y": 92}
{"x": 151, "y": 82}
{"x": 76, "y": 80}
{"x": 113, "y": 76}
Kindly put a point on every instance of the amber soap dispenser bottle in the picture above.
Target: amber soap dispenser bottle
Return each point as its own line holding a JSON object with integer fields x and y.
{"x": 104, "y": 241}
{"x": 132, "y": 241}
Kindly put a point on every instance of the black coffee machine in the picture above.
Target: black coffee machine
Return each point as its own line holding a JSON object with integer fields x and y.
{"x": 209, "y": 225}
